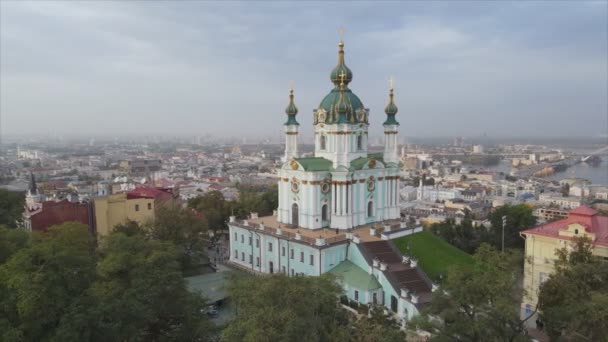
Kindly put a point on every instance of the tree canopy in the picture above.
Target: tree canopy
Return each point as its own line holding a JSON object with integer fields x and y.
{"x": 57, "y": 286}
{"x": 476, "y": 303}
{"x": 573, "y": 302}
{"x": 281, "y": 308}
{"x": 11, "y": 207}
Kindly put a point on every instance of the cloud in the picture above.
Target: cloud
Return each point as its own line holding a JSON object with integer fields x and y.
{"x": 223, "y": 68}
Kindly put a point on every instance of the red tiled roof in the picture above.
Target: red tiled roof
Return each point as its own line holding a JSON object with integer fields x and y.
{"x": 582, "y": 215}
{"x": 149, "y": 193}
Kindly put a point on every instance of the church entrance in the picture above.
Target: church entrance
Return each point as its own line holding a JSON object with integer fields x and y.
{"x": 294, "y": 215}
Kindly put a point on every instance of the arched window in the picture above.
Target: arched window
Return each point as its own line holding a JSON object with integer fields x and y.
{"x": 322, "y": 143}
{"x": 324, "y": 212}
{"x": 359, "y": 142}
{"x": 370, "y": 209}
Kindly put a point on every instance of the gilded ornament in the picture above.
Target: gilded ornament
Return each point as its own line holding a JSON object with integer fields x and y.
{"x": 293, "y": 164}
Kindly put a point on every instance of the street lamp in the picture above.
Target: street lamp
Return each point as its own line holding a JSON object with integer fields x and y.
{"x": 504, "y": 223}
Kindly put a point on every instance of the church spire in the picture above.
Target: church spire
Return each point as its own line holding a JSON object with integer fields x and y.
{"x": 33, "y": 188}
{"x": 391, "y": 108}
{"x": 291, "y": 109}
{"x": 341, "y": 68}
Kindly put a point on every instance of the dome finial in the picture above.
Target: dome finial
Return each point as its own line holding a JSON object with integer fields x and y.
{"x": 291, "y": 109}
{"x": 391, "y": 109}
{"x": 341, "y": 67}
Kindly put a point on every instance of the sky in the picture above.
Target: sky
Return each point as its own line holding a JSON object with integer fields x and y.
{"x": 108, "y": 68}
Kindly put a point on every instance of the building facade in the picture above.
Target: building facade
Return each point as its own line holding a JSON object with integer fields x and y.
{"x": 136, "y": 205}
{"x": 339, "y": 209}
{"x": 543, "y": 241}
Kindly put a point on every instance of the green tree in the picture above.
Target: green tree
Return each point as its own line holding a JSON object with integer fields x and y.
{"x": 185, "y": 229}
{"x": 129, "y": 228}
{"x": 573, "y": 302}
{"x": 377, "y": 327}
{"x": 11, "y": 207}
{"x": 213, "y": 206}
{"x": 476, "y": 303}
{"x": 39, "y": 283}
{"x": 139, "y": 295}
{"x": 518, "y": 217}
{"x": 305, "y": 309}
{"x": 11, "y": 241}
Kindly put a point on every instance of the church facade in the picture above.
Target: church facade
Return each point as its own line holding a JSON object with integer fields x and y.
{"x": 338, "y": 210}
{"x": 342, "y": 186}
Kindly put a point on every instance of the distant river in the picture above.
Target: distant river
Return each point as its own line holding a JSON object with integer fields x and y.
{"x": 597, "y": 174}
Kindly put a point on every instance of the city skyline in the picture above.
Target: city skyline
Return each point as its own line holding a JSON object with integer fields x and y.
{"x": 503, "y": 69}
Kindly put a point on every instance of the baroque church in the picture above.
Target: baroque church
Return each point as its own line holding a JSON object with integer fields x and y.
{"x": 339, "y": 210}
{"x": 342, "y": 186}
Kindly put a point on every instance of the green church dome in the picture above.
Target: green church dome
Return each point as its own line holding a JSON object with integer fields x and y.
{"x": 352, "y": 105}
{"x": 291, "y": 110}
{"x": 391, "y": 109}
{"x": 351, "y": 109}
{"x": 341, "y": 69}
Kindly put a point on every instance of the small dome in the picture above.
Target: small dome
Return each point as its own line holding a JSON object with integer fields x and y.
{"x": 341, "y": 69}
{"x": 291, "y": 107}
{"x": 291, "y": 110}
{"x": 391, "y": 107}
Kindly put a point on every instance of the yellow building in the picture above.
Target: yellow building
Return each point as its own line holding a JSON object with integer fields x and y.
{"x": 544, "y": 240}
{"x": 137, "y": 205}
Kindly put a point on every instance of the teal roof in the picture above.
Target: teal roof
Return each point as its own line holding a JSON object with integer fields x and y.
{"x": 359, "y": 163}
{"x": 390, "y": 120}
{"x": 330, "y": 105}
{"x": 354, "y": 276}
{"x": 315, "y": 164}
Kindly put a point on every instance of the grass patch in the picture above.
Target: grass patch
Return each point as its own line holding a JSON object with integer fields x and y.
{"x": 434, "y": 255}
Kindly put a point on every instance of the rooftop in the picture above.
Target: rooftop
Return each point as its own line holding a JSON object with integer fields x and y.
{"x": 330, "y": 235}
{"x": 583, "y": 215}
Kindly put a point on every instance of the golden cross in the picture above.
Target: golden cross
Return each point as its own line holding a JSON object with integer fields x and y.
{"x": 291, "y": 85}
{"x": 342, "y": 75}
{"x": 390, "y": 82}
{"x": 341, "y": 31}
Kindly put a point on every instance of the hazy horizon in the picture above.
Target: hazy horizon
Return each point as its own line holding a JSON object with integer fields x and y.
{"x": 505, "y": 69}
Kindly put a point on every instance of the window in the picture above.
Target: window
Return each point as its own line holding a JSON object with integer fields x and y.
{"x": 283, "y": 269}
{"x": 291, "y": 254}
{"x": 322, "y": 143}
{"x": 283, "y": 251}
{"x": 356, "y": 295}
{"x": 370, "y": 209}
{"x": 257, "y": 243}
{"x": 576, "y": 232}
{"x": 270, "y": 246}
{"x": 149, "y": 206}
{"x": 292, "y": 272}
{"x": 236, "y": 237}
{"x": 394, "y": 304}
{"x": 250, "y": 240}
{"x": 257, "y": 261}
{"x": 250, "y": 259}
{"x": 137, "y": 207}
{"x": 359, "y": 142}
{"x": 236, "y": 254}
{"x": 312, "y": 260}
{"x": 242, "y": 256}
{"x": 242, "y": 238}
{"x": 301, "y": 256}
{"x": 324, "y": 212}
